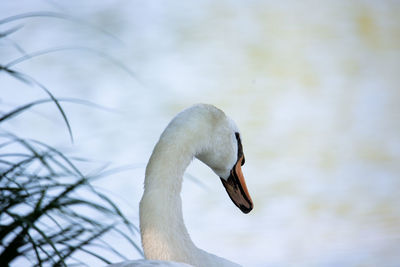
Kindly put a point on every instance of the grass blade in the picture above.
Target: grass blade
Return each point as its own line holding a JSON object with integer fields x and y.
{"x": 57, "y": 15}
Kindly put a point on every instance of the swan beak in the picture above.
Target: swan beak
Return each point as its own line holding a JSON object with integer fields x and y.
{"x": 236, "y": 188}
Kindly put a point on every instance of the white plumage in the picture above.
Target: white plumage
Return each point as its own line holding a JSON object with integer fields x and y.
{"x": 201, "y": 131}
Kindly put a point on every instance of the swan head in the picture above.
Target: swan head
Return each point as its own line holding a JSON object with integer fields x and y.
{"x": 222, "y": 151}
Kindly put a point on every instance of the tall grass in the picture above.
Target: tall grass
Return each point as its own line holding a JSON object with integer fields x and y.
{"x": 48, "y": 208}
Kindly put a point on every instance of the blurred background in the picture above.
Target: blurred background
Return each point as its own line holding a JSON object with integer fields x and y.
{"x": 313, "y": 87}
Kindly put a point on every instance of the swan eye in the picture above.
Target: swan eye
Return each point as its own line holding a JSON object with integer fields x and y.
{"x": 243, "y": 161}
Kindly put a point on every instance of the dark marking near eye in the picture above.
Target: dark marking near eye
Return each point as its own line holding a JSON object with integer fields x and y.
{"x": 240, "y": 147}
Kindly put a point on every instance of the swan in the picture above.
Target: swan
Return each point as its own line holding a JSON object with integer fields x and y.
{"x": 206, "y": 133}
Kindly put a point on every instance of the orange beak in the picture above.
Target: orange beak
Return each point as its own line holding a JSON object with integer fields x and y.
{"x": 235, "y": 185}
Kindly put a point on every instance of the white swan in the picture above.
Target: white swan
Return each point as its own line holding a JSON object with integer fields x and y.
{"x": 201, "y": 131}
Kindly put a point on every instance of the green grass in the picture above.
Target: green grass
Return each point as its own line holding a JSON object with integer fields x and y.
{"x": 49, "y": 209}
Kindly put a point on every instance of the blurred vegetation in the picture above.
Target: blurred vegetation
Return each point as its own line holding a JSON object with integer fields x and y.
{"x": 48, "y": 208}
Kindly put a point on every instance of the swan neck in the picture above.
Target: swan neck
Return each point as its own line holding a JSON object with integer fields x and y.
{"x": 164, "y": 235}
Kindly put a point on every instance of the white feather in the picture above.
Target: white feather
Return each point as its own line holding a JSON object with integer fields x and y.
{"x": 201, "y": 131}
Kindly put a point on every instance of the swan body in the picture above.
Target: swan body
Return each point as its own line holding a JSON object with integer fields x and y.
{"x": 204, "y": 132}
